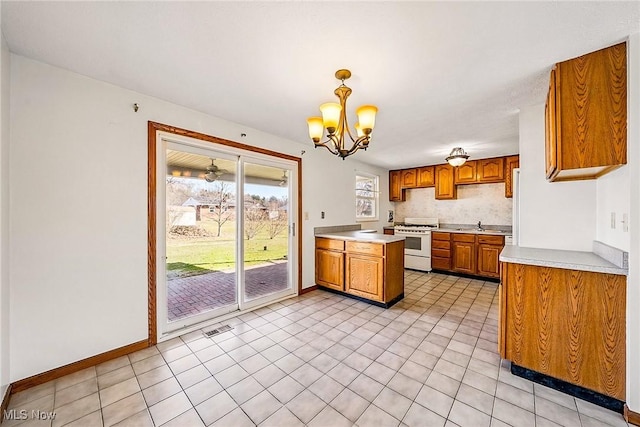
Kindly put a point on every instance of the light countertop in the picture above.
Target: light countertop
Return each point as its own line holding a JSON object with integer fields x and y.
{"x": 472, "y": 231}
{"x": 570, "y": 260}
{"x": 360, "y": 236}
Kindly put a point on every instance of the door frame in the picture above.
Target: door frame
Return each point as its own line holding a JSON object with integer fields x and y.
{"x": 153, "y": 129}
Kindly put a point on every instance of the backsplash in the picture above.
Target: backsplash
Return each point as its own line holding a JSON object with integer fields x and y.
{"x": 476, "y": 202}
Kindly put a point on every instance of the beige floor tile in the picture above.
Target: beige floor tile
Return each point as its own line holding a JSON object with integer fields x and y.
{"x": 244, "y": 390}
{"x": 599, "y": 413}
{"x": 140, "y": 419}
{"x": 366, "y": 387}
{"x": 216, "y": 407}
{"x": 75, "y": 392}
{"x": 193, "y": 376}
{"x": 154, "y": 376}
{"x": 111, "y": 365}
{"x": 282, "y": 418}
{"x": 515, "y": 396}
{"x": 169, "y": 408}
{"x": 161, "y": 391}
{"x": 231, "y": 375}
{"x": 116, "y": 376}
{"x": 435, "y": 401}
{"x": 326, "y": 388}
{"x": 419, "y": 416}
{"x": 118, "y": 391}
{"x": 203, "y": 390}
{"x": 187, "y": 419}
{"x": 75, "y": 378}
{"x": 143, "y": 354}
{"x": 475, "y": 398}
{"x": 557, "y": 413}
{"x": 512, "y": 414}
{"x": 77, "y": 409}
{"x": 392, "y": 403}
{"x": 93, "y": 419}
{"x": 123, "y": 409}
{"x": 350, "y": 404}
{"x": 404, "y": 385}
{"x": 261, "y": 407}
{"x": 305, "y": 406}
{"x": 374, "y": 417}
{"x": 34, "y": 393}
{"x": 330, "y": 417}
{"x": 269, "y": 375}
{"x": 286, "y": 389}
{"x": 176, "y": 353}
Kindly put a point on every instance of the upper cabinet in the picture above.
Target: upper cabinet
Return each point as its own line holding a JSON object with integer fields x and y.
{"x": 586, "y": 115}
{"x": 491, "y": 170}
{"x": 426, "y": 176}
{"x": 511, "y": 163}
{"x": 409, "y": 178}
{"x": 467, "y": 173}
{"x": 395, "y": 189}
{"x": 445, "y": 185}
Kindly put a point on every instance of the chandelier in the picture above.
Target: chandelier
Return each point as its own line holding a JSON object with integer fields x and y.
{"x": 457, "y": 157}
{"x": 334, "y": 119}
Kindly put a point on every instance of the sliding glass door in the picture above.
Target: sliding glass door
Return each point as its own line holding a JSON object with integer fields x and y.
{"x": 228, "y": 232}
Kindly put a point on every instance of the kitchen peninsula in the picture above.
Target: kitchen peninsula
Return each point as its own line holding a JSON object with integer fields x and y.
{"x": 366, "y": 266}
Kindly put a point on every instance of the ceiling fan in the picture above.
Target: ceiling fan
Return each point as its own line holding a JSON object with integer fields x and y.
{"x": 283, "y": 179}
{"x": 213, "y": 172}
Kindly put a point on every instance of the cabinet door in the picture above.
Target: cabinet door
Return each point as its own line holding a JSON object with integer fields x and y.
{"x": 445, "y": 187}
{"x": 409, "y": 178}
{"x": 502, "y": 320}
{"x": 330, "y": 269}
{"x": 488, "y": 264}
{"x": 512, "y": 162}
{"x": 395, "y": 190}
{"x": 491, "y": 170}
{"x": 426, "y": 177}
{"x": 551, "y": 158}
{"x": 467, "y": 173}
{"x": 364, "y": 277}
{"x": 464, "y": 257}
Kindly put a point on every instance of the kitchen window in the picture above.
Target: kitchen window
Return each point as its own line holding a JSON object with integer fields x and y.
{"x": 366, "y": 197}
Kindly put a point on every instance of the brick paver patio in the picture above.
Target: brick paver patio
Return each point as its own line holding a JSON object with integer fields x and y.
{"x": 188, "y": 296}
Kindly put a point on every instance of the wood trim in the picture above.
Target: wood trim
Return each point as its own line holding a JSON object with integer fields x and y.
{"x": 5, "y": 401}
{"x": 152, "y": 130}
{"x": 631, "y": 417}
{"x": 56, "y": 373}
{"x": 309, "y": 289}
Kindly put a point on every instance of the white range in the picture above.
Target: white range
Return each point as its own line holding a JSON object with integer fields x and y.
{"x": 417, "y": 244}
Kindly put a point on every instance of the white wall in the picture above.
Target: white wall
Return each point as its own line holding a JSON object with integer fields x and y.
{"x": 476, "y": 202}
{"x": 558, "y": 215}
{"x": 633, "y": 279}
{"x": 79, "y": 210}
{"x": 612, "y": 195}
{"x": 5, "y": 58}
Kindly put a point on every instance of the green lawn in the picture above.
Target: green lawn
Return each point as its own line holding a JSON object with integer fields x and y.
{"x": 199, "y": 255}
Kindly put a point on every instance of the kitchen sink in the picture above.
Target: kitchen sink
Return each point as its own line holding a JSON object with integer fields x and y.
{"x": 484, "y": 230}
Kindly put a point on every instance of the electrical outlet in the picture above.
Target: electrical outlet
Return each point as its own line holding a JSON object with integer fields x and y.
{"x": 306, "y": 216}
{"x": 613, "y": 220}
{"x": 625, "y": 222}
{"x": 322, "y": 214}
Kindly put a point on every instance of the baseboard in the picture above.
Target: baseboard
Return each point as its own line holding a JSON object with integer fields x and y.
{"x": 309, "y": 289}
{"x": 53, "y": 374}
{"x": 5, "y": 402}
{"x": 631, "y": 417}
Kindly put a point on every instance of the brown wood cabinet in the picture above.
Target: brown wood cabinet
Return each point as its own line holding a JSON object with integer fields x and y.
{"x": 586, "y": 123}
{"x": 566, "y": 324}
{"x": 426, "y": 176}
{"x": 445, "y": 184}
{"x": 467, "y": 173}
{"x": 396, "y": 194}
{"x": 491, "y": 170}
{"x": 464, "y": 254}
{"x": 374, "y": 271}
{"x": 489, "y": 248}
{"x": 440, "y": 250}
{"x": 409, "y": 178}
{"x": 511, "y": 163}
{"x": 389, "y": 231}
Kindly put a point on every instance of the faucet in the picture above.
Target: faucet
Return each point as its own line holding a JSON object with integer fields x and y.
{"x": 480, "y": 226}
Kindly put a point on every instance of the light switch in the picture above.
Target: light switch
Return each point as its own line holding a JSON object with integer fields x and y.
{"x": 625, "y": 222}
{"x": 306, "y": 216}
{"x": 613, "y": 220}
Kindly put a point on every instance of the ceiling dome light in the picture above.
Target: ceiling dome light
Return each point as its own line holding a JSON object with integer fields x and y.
{"x": 457, "y": 157}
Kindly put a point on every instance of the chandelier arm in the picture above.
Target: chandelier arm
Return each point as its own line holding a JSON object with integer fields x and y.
{"x": 360, "y": 143}
{"x": 329, "y": 147}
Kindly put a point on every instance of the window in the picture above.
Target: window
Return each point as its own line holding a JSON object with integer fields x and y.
{"x": 366, "y": 197}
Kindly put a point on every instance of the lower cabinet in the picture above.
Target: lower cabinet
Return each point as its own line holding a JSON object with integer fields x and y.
{"x": 364, "y": 276}
{"x": 330, "y": 269}
{"x": 473, "y": 254}
{"x": 566, "y": 324}
{"x": 374, "y": 271}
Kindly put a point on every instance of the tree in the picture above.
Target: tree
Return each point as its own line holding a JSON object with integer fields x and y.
{"x": 254, "y": 220}
{"x": 220, "y": 196}
{"x": 278, "y": 220}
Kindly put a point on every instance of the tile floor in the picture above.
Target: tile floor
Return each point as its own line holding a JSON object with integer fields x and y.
{"x": 323, "y": 360}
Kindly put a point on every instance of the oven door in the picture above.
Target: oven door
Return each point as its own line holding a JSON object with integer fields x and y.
{"x": 417, "y": 244}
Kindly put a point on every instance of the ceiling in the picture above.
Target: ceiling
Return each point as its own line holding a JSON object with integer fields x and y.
{"x": 443, "y": 74}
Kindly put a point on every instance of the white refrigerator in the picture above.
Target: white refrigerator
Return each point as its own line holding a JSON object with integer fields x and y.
{"x": 515, "y": 222}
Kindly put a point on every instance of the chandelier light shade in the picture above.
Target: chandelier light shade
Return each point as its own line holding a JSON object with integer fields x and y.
{"x": 457, "y": 157}
{"x": 334, "y": 120}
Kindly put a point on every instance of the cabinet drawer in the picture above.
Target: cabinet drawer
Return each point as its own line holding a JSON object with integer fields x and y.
{"x": 464, "y": 238}
{"x": 375, "y": 249}
{"x": 443, "y": 253}
{"x": 331, "y": 244}
{"x": 440, "y": 263}
{"x": 438, "y": 235}
{"x": 441, "y": 244}
{"x": 491, "y": 240}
